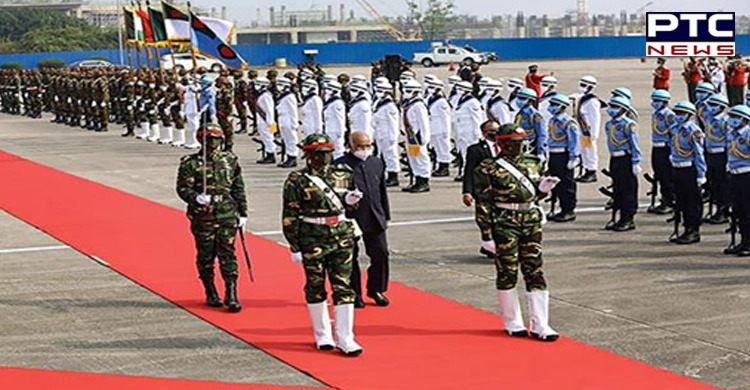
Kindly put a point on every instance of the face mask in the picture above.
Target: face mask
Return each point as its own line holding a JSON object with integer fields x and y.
{"x": 554, "y": 110}
{"x": 747, "y": 102}
{"x": 656, "y": 105}
{"x": 734, "y": 122}
{"x": 163, "y": 87}
{"x": 713, "y": 109}
{"x": 379, "y": 94}
{"x": 583, "y": 89}
{"x": 213, "y": 144}
{"x": 520, "y": 102}
{"x": 613, "y": 112}
{"x": 681, "y": 118}
{"x": 701, "y": 95}
{"x": 512, "y": 149}
{"x": 258, "y": 88}
{"x": 152, "y": 86}
{"x": 362, "y": 154}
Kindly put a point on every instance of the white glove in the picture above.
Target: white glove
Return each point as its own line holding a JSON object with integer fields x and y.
{"x": 297, "y": 258}
{"x": 572, "y": 164}
{"x": 637, "y": 169}
{"x": 701, "y": 181}
{"x": 214, "y": 119}
{"x": 182, "y": 114}
{"x": 548, "y": 183}
{"x": 203, "y": 199}
{"x": 489, "y": 246}
{"x": 242, "y": 224}
{"x": 353, "y": 197}
{"x": 542, "y": 158}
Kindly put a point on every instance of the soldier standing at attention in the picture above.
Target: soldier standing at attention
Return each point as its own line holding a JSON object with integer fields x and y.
{"x": 321, "y": 238}
{"x": 738, "y": 165}
{"x": 624, "y": 162}
{"x": 506, "y": 188}
{"x": 215, "y": 211}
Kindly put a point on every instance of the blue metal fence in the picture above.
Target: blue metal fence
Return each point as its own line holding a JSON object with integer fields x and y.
{"x": 366, "y": 52}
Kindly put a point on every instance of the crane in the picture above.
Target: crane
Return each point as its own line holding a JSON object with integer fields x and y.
{"x": 389, "y": 28}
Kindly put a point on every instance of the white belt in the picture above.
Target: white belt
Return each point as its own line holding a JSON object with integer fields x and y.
{"x": 717, "y": 150}
{"x": 514, "y": 206}
{"x": 659, "y": 144}
{"x": 619, "y": 153}
{"x": 328, "y": 221}
{"x": 682, "y": 164}
{"x": 739, "y": 171}
{"x": 558, "y": 150}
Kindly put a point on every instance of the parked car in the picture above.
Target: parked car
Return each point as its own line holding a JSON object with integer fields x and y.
{"x": 90, "y": 64}
{"x": 490, "y": 55}
{"x": 185, "y": 61}
{"x": 445, "y": 54}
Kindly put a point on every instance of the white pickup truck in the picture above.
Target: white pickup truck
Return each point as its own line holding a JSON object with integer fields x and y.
{"x": 445, "y": 54}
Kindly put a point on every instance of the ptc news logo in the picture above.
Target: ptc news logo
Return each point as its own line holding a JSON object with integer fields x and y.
{"x": 697, "y": 34}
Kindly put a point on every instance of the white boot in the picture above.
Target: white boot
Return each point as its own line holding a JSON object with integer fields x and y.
{"x": 539, "y": 316}
{"x": 321, "y": 323}
{"x": 143, "y": 132}
{"x": 154, "y": 135}
{"x": 166, "y": 135}
{"x": 345, "y": 330}
{"x": 510, "y": 309}
{"x": 179, "y": 138}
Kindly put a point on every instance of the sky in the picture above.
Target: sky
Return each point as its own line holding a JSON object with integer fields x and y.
{"x": 245, "y": 10}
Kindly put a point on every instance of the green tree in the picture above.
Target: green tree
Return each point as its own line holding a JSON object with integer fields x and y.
{"x": 432, "y": 17}
{"x": 41, "y": 31}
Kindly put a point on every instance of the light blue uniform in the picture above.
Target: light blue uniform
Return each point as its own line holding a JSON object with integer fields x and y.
{"x": 531, "y": 121}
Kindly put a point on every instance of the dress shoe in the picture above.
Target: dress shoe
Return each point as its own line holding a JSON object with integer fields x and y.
{"x": 564, "y": 216}
{"x": 588, "y": 177}
{"x": 624, "y": 224}
{"x": 720, "y": 218}
{"x": 379, "y": 299}
{"x": 392, "y": 179}
{"x": 290, "y": 162}
{"x": 459, "y": 178}
{"x": 442, "y": 171}
{"x": 610, "y": 225}
{"x": 690, "y": 236}
{"x": 662, "y": 209}
{"x": 269, "y": 159}
{"x": 358, "y": 302}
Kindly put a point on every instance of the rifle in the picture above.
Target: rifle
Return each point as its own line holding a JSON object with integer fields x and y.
{"x": 608, "y": 193}
{"x": 654, "y": 189}
{"x": 247, "y": 256}
{"x": 677, "y": 219}
{"x": 711, "y": 202}
{"x": 552, "y": 201}
{"x": 732, "y": 230}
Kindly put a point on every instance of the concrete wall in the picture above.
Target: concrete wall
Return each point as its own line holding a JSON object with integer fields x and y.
{"x": 366, "y": 52}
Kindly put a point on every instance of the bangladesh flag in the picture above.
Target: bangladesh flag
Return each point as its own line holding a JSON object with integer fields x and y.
{"x": 133, "y": 26}
{"x": 177, "y": 23}
{"x": 148, "y": 34}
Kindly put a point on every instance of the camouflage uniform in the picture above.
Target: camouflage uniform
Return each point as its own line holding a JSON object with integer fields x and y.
{"x": 506, "y": 214}
{"x": 224, "y": 106}
{"x": 240, "y": 100}
{"x": 322, "y": 239}
{"x": 215, "y": 225}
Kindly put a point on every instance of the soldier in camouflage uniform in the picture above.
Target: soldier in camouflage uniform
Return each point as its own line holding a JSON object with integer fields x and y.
{"x": 507, "y": 188}
{"x": 240, "y": 100}
{"x": 127, "y": 104}
{"x": 224, "y": 106}
{"x": 321, "y": 238}
{"x": 215, "y": 212}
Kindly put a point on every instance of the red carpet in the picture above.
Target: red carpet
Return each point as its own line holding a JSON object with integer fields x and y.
{"x": 421, "y": 342}
{"x": 33, "y": 379}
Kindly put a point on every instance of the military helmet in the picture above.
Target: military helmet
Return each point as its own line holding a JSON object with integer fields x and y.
{"x": 434, "y": 82}
{"x": 548, "y": 81}
{"x": 464, "y": 86}
{"x": 262, "y": 81}
{"x": 310, "y": 84}
{"x": 661, "y": 95}
{"x": 527, "y": 93}
{"x": 495, "y": 85}
{"x": 428, "y": 79}
{"x": 383, "y": 86}
{"x": 509, "y": 132}
{"x": 359, "y": 79}
{"x": 685, "y": 107}
{"x": 211, "y": 130}
{"x": 623, "y": 92}
{"x": 283, "y": 82}
{"x": 560, "y": 99}
{"x": 740, "y": 111}
{"x": 411, "y": 86}
{"x": 306, "y": 74}
{"x": 358, "y": 87}
{"x": 588, "y": 81}
{"x": 620, "y": 102}
{"x": 315, "y": 143}
{"x": 705, "y": 87}
{"x": 515, "y": 83}
{"x": 484, "y": 81}
{"x": 453, "y": 80}
{"x": 406, "y": 75}
{"x": 718, "y": 99}
{"x": 332, "y": 85}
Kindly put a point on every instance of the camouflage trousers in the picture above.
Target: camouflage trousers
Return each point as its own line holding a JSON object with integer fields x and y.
{"x": 331, "y": 256}
{"x": 518, "y": 240}
{"x": 215, "y": 239}
{"x": 226, "y": 126}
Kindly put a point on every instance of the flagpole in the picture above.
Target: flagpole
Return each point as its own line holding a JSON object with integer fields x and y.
{"x": 197, "y": 100}
{"x": 130, "y": 55}
{"x": 119, "y": 32}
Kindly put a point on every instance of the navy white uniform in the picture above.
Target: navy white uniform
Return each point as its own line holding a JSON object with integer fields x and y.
{"x": 440, "y": 125}
{"x": 386, "y": 118}
{"x": 286, "y": 109}
{"x": 311, "y": 114}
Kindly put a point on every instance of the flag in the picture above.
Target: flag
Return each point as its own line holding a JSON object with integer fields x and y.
{"x": 177, "y": 24}
{"x": 129, "y": 25}
{"x": 207, "y": 42}
{"x": 157, "y": 25}
{"x": 148, "y": 33}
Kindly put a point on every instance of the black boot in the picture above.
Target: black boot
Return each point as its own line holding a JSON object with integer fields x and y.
{"x": 588, "y": 177}
{"x": 690, "y": 236}
{"x": 212, "y": 297}
{"x": 290, "y": 162}
{"x": 662, "y": 209}
{"x": 230, "y": 295}
{"x": 720, "y": 218}
{"x": 269, "y": 159}
{"x": 563, "y": 216}
{"x": 624, "y": 224}
{"x": 442, "y": 171}
{"x": 421, "y": 185}
{"x": 127, "y": 133}
{"x": 392, "y": 180}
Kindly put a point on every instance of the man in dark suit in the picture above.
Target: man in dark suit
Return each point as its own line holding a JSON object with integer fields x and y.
{"x": 475, "y": 154}
{"x": 372, "y": 216}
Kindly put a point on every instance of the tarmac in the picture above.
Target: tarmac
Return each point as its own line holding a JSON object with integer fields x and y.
{"x": 683, "y": 309}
